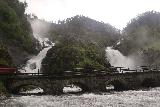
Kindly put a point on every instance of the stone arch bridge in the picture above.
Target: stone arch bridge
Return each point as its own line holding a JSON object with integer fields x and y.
{"x": 92, "y": 83}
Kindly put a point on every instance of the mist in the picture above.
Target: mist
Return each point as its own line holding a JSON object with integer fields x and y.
{"x": 117, "y": 59}
{"x": 40, "y": 27}
{"x": 117, "y": 13}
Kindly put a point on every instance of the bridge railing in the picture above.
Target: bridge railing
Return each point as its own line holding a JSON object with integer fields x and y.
{"x": 82, "y": 72}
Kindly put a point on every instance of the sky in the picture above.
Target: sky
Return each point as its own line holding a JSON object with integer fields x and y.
{"x": 115, "y": 12}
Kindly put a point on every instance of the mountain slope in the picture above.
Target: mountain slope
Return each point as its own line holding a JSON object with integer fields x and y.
{"x": 88, "y": 29}
{"x": 15, "y": 31}
{"x": 142, "y": 37}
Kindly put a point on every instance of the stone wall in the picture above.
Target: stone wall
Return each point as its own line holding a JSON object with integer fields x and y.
{"x": 55, "y": 85}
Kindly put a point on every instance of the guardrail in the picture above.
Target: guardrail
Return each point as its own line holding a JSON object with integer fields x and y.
{"x": 116, "y": 70}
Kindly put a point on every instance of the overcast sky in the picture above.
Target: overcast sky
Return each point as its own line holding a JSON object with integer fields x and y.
{"x": 116, "y": 12}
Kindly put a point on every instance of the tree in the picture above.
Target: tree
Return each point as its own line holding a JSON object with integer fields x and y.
{"x": 74, "y": 54}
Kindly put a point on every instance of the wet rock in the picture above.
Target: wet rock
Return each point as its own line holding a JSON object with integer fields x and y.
{"x": 33, "y": 66}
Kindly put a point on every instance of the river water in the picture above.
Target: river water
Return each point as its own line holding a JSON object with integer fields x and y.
{"x": 131, "y": 98}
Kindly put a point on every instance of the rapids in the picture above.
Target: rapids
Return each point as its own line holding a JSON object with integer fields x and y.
{"x": 139, "y": 98}
{"x": 117, "y": 59}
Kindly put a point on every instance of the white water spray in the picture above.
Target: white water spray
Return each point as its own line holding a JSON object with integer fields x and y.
{"x": 34, "y": 64}
{"x": 117, "y": 59}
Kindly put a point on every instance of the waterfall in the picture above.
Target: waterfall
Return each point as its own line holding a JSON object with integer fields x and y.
{"x": 34, "y": 64}
{"x": 117, "y": 59}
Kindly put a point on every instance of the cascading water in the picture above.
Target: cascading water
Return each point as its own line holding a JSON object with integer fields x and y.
{"x": 34, "y": 64}
{"x": 117, "y": 59}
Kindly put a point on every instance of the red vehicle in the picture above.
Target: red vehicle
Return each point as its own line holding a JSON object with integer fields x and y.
{"x": 6, "y": 69}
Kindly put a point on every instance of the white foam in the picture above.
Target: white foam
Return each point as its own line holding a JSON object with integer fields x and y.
{"x": 117, "y": 59}
{"x": 150, "y": 98}
{"x": 72, "y": 88}
{"x": 34, "y": 64}
{"x": 36, "y": 90}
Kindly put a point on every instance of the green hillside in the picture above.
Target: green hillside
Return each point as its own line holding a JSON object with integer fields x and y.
{"x": 15, "y": 30}
{"x": 142, "y": 36}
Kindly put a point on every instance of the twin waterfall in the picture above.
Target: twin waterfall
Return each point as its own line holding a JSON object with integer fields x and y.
{"x": 115, "y": 57}
{"x": 34, "y": 64}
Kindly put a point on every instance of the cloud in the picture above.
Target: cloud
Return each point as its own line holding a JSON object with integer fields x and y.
{"x": 115, "y": 12}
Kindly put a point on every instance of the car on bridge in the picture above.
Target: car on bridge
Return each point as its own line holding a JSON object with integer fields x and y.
{"x": 127, "y": 70}
{"x": 144, "y": 68}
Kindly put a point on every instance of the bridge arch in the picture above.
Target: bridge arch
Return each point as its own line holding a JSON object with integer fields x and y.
{"x": 18, "y": 89}
{"x": 118, "y": 85}
{"x": 83, "y": 86}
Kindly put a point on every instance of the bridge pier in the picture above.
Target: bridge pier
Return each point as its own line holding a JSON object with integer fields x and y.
{"x": 101, "y": 87}
{"x": 54, "y": 91}
{"x": 52, "y": 86}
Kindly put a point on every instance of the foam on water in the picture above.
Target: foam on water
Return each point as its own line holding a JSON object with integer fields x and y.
{"x": 117, "y": 59}
{"x": 149, "y": 98}
{"x": 34, "y": 64}
{"x": 72, "y": 88}
{"x": 36, "y": 90}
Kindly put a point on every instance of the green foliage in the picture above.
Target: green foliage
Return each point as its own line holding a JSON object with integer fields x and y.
{"x": 19, "y": 7}
{"x": 14, "y": 27}
{"x": 70, "y": 55}
{"x": 141, "y": 32}
{"x": 151, "y": 56}
{"x": 80, "y": 43}
{"x": 87, "y": 29}
{"x": 3, "y": 90}
{"x": 142, "y": 36}
{"x": 5, "y": 58}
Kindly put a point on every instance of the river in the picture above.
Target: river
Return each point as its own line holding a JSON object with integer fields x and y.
{"x": 131, "y": 98}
